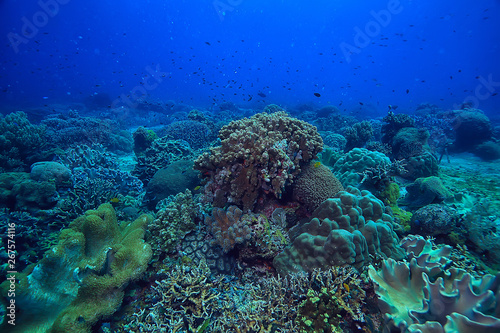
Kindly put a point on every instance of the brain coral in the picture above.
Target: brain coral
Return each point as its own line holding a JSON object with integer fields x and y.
{"x": 347, "y": 229}
{"x": 257, "y": 156}
{"x": 315, "y": 184}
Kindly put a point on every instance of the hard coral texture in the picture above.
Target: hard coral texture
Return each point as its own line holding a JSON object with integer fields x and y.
{"x": 257, "y": 156}
{"x": 315, "y": 184}
{"x": 349, "y": 169}
{"x": 20, "y": 142}
{"x": 344, "y": 230}
{"x": 228, "y": 227}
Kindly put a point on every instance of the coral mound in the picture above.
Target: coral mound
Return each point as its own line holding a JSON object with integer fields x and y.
{"x": 347, "y": 229}
{"x": 257, "y": 156}
{"x": 315, "y": 184}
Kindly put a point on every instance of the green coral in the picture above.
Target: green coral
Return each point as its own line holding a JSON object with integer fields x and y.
{"x": 390, "y": 194}
{"x": 319, "y": 312}
{"x": 81, "y": 280}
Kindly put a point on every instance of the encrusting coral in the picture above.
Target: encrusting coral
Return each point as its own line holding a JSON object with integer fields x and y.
{"x": 257, "y": 156}
{"x": 81, "y": 279}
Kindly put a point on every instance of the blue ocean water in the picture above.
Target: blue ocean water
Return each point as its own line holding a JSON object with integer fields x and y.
{"x": 213, "y": 51}
{"x": 249, "y": 166}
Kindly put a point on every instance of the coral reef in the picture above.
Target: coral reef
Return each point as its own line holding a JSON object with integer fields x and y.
{"x": 393, "y": 124}
{"x": 472, "y": 127}
{"x": 257, "y": 156}
{"x": 315, "y": 184}
{"x": 81, "y": 279}
{"x": 434, "y": 220}
{"x": 334, "y": 140}
{"x": 349, "y": 229}
{"x": 143, "y": 138}
{"x": 358, "y": 135}
{"x": 186, "y": 298}
{"x": 197, "y": 134}
{"x": 175, "y": 178}
{"x": 21, "y": 142}
{"x": 424, "y": 295}
{"x": 172, "y": 223}
{"x": 423, "y": 165}
{"x": 425, "y": 191}
{"x": 161, "y": 154}
{"x": 488, "y": 151}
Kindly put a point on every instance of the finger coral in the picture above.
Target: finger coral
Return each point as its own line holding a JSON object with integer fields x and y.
{"x": 257, "y": 156}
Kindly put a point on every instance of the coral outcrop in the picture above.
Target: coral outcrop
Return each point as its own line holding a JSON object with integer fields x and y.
{"x": 315, "y": 184}
{"x": 257, "y": 156}
{"x": 348, "y": 229}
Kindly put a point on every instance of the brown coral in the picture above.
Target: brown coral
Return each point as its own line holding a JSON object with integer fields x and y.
{"x": 257, "y": 156}
{"x": 228, "y": 228}
{"x": 315, "y": 184}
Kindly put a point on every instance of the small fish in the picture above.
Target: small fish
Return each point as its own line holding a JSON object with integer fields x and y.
{"x": 114, "y": 200}
{"x": 261, "y": 94}
{"x": 197, "y": 188}
{"x": 392, "y": 107}
{"x": 407, "y": 91}
{"x": 361, "y": 103}
{"x": 317, "y": 94}
{"x": 346, "y": 287}
{"x": 317, "y": 164}
{"x": 207, "y": 43}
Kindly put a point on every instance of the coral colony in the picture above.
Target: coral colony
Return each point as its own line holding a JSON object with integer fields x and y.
{"x": 258, "y": 224}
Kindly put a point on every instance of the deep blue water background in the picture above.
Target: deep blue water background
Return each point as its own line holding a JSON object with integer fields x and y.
{"x": 206, "y": 52}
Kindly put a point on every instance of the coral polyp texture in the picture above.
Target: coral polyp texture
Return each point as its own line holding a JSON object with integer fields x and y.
{"x": 228, "y": 227}
{"x": 346, "y": 230}
{"x": 257, "y": 156}
{"x": 425, "y": 296}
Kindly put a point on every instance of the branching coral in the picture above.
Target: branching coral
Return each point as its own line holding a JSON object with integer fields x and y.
{"x": 172, "y": 223}
{"x": 186, "y": 298}
{"x": 257, "y": 156}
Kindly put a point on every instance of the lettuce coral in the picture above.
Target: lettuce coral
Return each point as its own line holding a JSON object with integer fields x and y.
{"x": 425, "y": 296}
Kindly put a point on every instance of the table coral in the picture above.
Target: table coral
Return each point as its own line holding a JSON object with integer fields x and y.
{"x": 348, "y": 229}
{"x": 257, "y": 156}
